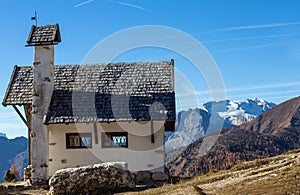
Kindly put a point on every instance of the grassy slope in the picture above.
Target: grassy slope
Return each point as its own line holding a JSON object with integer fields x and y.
{"x": 276, "y": 175}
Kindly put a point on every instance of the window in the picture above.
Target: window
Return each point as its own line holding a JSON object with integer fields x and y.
{"x": 115, "y": 139}
{"x": 79, "y": 140}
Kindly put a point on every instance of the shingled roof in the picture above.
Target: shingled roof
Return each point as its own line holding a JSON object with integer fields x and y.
{"x": 44, "y": 35}
{"x": 102, "y": 92}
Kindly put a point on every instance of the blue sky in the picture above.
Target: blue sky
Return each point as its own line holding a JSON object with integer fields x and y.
{"x": 255, "y": 44}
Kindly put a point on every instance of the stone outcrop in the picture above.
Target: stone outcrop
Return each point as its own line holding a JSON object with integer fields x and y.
{"x": 151, "y": 179}
{"x": 143, "y": 177}
{"x": 159, "y": 176}
{"x": 104, "y": 178}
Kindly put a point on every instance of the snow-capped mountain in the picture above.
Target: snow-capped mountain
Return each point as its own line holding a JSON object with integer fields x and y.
{"x": 272, "y": 133}
{"x": 195, "y": 123}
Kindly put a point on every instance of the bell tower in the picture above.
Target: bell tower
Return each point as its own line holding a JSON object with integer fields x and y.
{"x": 43, "y": 39}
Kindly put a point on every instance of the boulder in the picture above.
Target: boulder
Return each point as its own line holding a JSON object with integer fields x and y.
{"x": 159, "y": 176}
{"x": 104, "y": 178}
{"x": 143, "y": 177}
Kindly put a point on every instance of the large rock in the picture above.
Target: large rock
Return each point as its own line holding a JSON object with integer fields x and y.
{"x": 143, "y": 177}
{"x": 159, "y": 176}
{"x": 104, "y": 178}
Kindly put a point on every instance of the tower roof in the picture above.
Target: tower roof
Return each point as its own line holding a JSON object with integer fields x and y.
{"x": 44, "y": 35}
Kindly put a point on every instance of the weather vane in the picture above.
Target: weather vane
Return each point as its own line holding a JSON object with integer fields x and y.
{"x": 34, "y": 18}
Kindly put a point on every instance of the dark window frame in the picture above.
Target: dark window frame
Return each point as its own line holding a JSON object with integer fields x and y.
{"x": 80, "y": 135}
{"x": 110, "y": 135}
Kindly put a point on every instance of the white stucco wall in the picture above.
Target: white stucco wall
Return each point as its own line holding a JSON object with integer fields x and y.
{"x": 141, "y": 154}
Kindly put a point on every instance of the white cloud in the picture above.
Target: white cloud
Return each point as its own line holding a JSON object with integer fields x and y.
{"x": 131, "y": 5}
{"x": 251, "y": 38}
{"x": 257, "y": 26}
{"x": 12, "y": 126}
{"x": 269, "y": 95}
{"x": 266, "y": 86}
{"x": 8, "y": 115}
{"x": 83, "y": 3}
{"x": 247, "y": 88}
{"x": 13, "y": 130}
{"x": 242, "y": 48}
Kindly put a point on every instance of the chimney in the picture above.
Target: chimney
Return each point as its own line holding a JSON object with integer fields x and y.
{"x": 43, "y": 38}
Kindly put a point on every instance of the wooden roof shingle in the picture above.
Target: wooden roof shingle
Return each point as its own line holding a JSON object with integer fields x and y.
{"x": 102, "y": 92}
{"x": 44, "y": 35}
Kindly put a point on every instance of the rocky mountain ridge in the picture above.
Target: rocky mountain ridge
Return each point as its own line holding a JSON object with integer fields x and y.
{"x": 3, "y": 135}
{"x": 193, "y": 124}
{"x": 13, "y": 151}
{"x": 271, "y": 133}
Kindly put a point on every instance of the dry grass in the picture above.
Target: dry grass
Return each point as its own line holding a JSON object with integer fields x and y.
{"x": 20, "y": 188}
{"x": 276, "y": 175}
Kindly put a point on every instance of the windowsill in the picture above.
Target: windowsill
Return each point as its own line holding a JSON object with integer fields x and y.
{"x": 78, "y": 147}
{"x": 112, "y": 147}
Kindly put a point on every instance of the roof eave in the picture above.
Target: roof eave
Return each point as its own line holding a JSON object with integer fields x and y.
{"x": 30, "y": 34}
{"x": 57, "y": 38}
{"x": 8, "y": 87}
{"x": 41, "y": 44}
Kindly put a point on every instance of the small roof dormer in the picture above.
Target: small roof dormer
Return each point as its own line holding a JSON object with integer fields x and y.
{"x": 44, "y": 35}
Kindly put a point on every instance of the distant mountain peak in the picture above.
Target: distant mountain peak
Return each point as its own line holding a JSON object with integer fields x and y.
{"x": 280, "y": 117}
{"x": 193, "y": 124}
{"x": 3, "y": 135}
